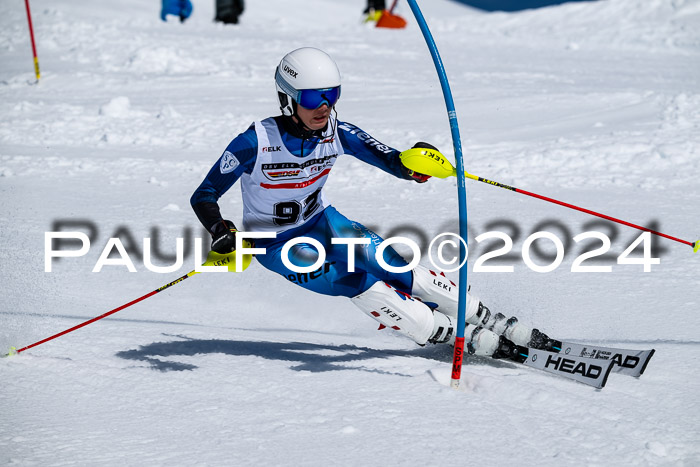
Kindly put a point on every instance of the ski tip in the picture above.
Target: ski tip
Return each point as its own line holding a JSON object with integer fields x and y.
{"x": 13, "y": 351}
{"x": 644, "y": 366}
{"x": 696, "y": 247}
{"x": 607, "y": 373}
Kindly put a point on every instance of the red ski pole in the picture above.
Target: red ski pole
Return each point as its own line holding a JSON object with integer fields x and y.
{"x": 31, "y": 35}
{"x": 14, "y": 351}
{"x": 213, "y": 259}
{"x": 433, "y": 163}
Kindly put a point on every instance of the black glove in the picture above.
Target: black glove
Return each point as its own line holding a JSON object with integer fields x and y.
{"x": 223, "y": 237}
{"x": 418, "y": 177}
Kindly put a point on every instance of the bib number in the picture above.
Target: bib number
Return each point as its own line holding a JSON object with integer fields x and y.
{"x": 288, "y": 212}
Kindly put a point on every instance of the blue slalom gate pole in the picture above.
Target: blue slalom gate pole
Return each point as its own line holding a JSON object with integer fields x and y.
{"x": 461, "y": 192}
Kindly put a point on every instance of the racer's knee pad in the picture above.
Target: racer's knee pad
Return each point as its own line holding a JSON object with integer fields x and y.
{"x": 435, "y": 287}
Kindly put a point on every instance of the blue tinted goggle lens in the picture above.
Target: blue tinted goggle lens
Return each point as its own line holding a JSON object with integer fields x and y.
{"x": 315, "y": 98}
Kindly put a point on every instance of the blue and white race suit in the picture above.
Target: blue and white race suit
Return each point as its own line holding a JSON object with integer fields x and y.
{"x": 282, "y": 178}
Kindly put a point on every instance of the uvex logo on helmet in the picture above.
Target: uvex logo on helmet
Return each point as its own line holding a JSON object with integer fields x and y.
{"x": 289, "y": 70}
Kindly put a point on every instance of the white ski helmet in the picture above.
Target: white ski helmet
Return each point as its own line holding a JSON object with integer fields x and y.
{"x": 308, "y": 77}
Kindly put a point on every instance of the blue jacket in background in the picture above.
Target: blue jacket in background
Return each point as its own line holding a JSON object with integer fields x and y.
{"x": 180, "y": 8}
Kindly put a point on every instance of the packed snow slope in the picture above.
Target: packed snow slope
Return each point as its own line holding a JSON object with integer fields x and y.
{"x": 596, "y": 104}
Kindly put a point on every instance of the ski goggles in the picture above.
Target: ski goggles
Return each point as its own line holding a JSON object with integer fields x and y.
{"x": 315, "y": 98}
{"x": 309, "y": 98}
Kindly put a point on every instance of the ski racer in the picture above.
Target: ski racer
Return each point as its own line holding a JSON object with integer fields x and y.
{"x": 282, "y": 164}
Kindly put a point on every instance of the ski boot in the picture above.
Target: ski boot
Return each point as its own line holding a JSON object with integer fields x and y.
{"x": 509, "y": 350}
{"x": 542, "y": 341}
{"x": 519, "y": 333}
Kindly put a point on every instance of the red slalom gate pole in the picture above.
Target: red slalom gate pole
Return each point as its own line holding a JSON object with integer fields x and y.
{"x": 31, "y": 35}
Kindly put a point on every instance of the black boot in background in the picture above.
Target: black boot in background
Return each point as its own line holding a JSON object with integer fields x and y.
{"x": 228, "y": 11}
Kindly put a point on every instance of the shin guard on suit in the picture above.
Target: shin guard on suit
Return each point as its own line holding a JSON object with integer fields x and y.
{"x": 397, "y": 310}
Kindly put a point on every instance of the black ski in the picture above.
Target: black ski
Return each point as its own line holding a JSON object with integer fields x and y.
{"x": 582, "y": 369}
{"x": 626, "y": 362}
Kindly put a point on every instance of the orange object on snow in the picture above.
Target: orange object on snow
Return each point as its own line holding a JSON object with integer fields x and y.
{"x": 390, "y": 20}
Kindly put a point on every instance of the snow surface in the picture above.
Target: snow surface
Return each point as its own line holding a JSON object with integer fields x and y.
{"x": 596, "y": 104}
